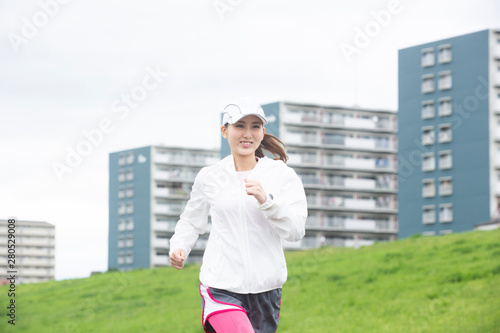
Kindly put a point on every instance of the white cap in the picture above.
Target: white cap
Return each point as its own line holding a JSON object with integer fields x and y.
{"x": 242, "y": 108}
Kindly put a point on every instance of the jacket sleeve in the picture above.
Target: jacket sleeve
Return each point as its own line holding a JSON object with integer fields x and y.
{"x": 193, "y": 221}
{"x": 287, "y": 211}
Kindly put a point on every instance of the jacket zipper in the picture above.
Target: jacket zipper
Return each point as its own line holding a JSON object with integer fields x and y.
{"x": 246, "y": 250}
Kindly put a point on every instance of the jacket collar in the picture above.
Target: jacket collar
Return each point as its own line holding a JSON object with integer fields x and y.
{"x": 227, "y": 163}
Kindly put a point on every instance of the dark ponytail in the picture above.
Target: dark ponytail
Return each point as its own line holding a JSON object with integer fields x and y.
{"x": 273, "y": 145}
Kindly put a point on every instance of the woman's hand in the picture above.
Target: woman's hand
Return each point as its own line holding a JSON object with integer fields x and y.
{"x": 177, "y": 258}
{"x": 254, "y": 188}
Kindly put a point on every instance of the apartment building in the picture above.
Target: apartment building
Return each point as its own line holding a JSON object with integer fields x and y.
{"x": 148, "y": 189}
{"x": 449, "y": 134}
{"x": 346, "y": 159}
{"x": 34, "y": 250}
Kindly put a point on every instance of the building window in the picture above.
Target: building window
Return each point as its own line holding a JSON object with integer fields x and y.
{"x": 428, "y": 109}
{"x": 130, "y": 174}
{"x": 130, "y": 158}
{"x": 445, "y": 186}
{"x": 444, "y": 80}
{"x": 121, "y": 258}
{"x": 445, "y": 133}
{"x": 130, "y": 224}
{"x": 121, "y": 208}
{"x": 429, "y": 188}
{"x": 445, "y": 213}
{"x": 445, "y": 232}
{"x": 121, "y": 241}
{"x": 121, "y": 224}
{"x": 429, "y": 214}
{"x": 130, "y": 258}
{"x": 445, "y": 108}
{"x": 428, "y": 57}
{"x": 428, "y": 136}
{"x": 122, "y": 159}
{"x": 129, "y": 207}
{"x": 130, "y": 191}
{"x": 427, "y": 83}
{"x": 444, "y": 55}
{"x": 122, "y": 176}
{"x": 429, "y": 162}
{"x": 129, "y": 241}
{"x": 121, "y": 192}
{"x": 429, "y": 233}
{"x": 445, "y": 159}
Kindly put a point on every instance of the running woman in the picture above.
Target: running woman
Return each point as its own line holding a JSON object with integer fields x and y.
{"x": 255, "y": 202}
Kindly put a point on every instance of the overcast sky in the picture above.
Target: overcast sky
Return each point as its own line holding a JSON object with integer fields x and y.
{"x": 158, "y": 72}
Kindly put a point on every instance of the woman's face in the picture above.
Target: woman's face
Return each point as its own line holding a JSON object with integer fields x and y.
{"x": 245, "y": 136}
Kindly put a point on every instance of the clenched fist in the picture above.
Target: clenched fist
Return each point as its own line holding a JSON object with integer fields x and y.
{"x": 177, "y": 258}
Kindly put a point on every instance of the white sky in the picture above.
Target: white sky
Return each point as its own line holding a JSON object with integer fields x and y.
{"x": 70, "y": 73}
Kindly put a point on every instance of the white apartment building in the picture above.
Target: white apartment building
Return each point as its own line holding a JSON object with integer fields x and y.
{"x": 34, "y": 250}
{"x": 347, "y": 160}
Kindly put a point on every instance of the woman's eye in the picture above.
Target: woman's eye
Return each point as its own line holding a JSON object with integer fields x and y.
{"x": 240, "y": 126}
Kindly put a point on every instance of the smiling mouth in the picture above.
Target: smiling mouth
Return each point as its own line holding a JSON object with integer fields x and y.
{"x": 246, "y": 143}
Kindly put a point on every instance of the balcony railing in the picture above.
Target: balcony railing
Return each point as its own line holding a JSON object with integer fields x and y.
{"x": 164, "y": 226}
{"x": 350, "y": 224}
{"x": 168, "y": 209}
{"x": 166, "y": 192}
{"x": 337, "y": 119}
{"x": 379, "y": 203}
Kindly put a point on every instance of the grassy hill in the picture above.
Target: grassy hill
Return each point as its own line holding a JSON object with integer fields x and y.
{"x": 436, "y": 284}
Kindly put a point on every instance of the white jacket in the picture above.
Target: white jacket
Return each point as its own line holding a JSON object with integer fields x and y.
{"x": 244, "y": 253}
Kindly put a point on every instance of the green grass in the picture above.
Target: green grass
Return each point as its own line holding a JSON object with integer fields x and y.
{"x": 437, "y": 284}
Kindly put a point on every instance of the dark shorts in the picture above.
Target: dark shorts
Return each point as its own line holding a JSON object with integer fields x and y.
{"x": 263, "y": 309}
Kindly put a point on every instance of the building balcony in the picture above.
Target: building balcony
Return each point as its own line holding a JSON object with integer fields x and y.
{"x": 160, "y": 260}
{"x": 181, "y": 159}
{"x": 36, "y": 272}
{"x": 359, "y": 143}
{"x": 333, "y": 161}
{"x": 362, "y": 184}
{"x": 341, "y": 203}
{"x": 41, "y": 242}
{"x": 36, "y": 232}
{"x": 496, "y": 79}
{"x": 496, "y": 105}
{"x": 172, "y": 209}
{"x": 23, "y": 262}
{"x": 164, "y": 226}
{"x": 303, "y": 159}
{"x": 339, "y": 120}
{"x": 366, "y": 225}
{"x": 165, "y": 192}
{"x": 175, "y": 175}
{"x": 496, "y": 51}
{"x": 34, "y": 251}
{"x": 161, "y": 243}
{"x": 315, "y": 242}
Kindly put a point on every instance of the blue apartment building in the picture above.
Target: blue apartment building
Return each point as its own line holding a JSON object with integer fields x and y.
{"x": 148, "y": 189}
{"x": 449, "y": 134}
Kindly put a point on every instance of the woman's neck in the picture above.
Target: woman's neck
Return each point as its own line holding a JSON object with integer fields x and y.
{"x": 244, "y": 163}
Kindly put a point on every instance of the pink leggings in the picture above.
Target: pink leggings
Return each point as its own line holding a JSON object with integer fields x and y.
{"x": 231, "y": 322}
